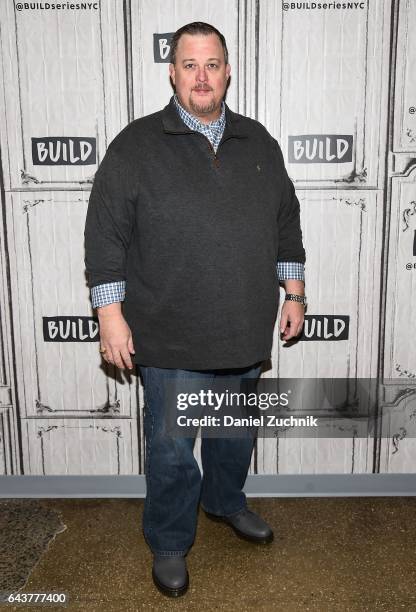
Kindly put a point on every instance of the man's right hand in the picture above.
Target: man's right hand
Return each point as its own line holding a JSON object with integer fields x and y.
{"x": 116, "y": 336}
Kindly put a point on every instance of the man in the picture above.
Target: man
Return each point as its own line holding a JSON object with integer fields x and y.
{"x": 190, "y": 212}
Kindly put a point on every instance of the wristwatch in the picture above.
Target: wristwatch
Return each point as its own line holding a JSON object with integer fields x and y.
{"x": 293, "y": 297}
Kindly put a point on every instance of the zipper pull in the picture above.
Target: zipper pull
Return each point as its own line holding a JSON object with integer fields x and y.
{"x": 216, "y": 160}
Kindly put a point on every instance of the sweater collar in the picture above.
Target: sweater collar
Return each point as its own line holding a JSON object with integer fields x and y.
{"x": 173, "y": 124}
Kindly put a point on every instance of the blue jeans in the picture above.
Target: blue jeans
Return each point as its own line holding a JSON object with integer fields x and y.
{"x": 174, "y": 486}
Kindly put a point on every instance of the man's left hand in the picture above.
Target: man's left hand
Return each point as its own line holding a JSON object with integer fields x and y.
{"x": 291, "y": 319}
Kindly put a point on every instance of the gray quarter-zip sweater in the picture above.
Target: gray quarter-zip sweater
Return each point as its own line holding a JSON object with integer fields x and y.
{"x": 196, "y": 236}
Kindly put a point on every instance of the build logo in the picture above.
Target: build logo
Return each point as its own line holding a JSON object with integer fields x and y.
{"x": 70, "y": 329}
{"x": 325, "y": 327}
{"x": 161, "y": 47}
{"x": 320, "y": 149}
{"x": 63, "y": 151}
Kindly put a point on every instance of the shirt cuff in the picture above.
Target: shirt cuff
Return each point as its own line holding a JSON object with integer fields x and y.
{"x": 108, "y": 293}
{"x": 291, "y": 270}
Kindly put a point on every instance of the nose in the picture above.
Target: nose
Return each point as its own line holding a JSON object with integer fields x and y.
{"x": 201, "y": 75}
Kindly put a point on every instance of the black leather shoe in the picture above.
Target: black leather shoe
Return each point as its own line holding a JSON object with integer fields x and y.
{"x": 247, "y": 525}
{"x": 170, "y": 575}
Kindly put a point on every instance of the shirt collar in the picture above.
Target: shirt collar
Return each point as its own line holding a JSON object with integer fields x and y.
{"x": 235, "y": 125}
{"x": 194, "y": 123}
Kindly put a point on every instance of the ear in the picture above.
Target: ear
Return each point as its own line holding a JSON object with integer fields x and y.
{"x": 172, "y": 73}
{"x": 228, "y": 71}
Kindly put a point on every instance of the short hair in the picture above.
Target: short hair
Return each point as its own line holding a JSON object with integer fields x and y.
{"x": 196, "y": 27}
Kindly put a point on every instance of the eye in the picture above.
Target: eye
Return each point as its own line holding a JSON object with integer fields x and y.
{"x": 213, "y": 65}
{"x": 188, "y": 65}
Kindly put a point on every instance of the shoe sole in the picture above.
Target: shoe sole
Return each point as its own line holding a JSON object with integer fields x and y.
{"x": 167, "y": 590}
{"x": 241, "y": 534}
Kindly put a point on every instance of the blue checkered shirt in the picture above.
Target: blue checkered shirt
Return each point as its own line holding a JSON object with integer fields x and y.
{"x": 213, "y": 130}
{"x": 107, "y": 293}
